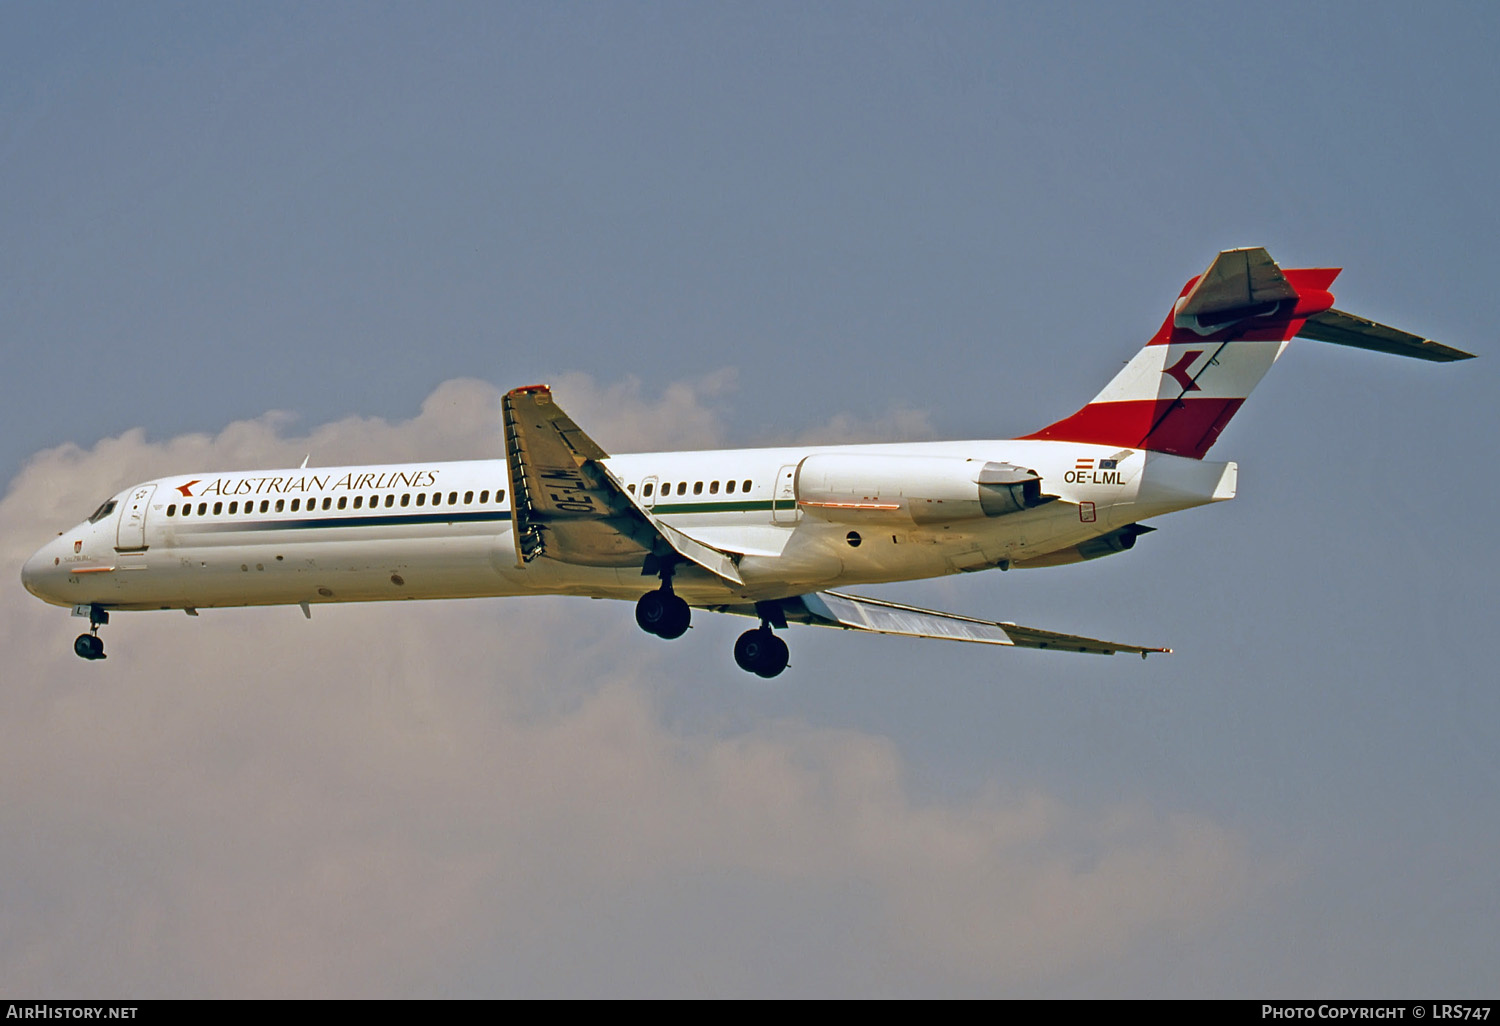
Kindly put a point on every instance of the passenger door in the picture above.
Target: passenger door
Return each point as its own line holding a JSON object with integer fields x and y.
{"x": 784, "y": 496}
{"x": 132, "y": 531}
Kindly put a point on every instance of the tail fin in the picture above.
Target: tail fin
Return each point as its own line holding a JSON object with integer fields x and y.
{"x": 1227, "y": 327}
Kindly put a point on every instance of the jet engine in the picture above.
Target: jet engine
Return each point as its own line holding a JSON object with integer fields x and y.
{"x": 875, "y": 487}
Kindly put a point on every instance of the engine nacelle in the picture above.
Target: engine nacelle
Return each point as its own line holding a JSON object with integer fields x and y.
{"x": 1119, "y": 540}
{"x": 875, "y": 487}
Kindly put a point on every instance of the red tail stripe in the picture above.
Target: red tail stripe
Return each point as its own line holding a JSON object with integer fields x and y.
{"x": 1190, "y": 431}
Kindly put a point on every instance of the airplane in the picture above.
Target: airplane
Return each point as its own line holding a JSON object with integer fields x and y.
{"x": 764, "y": 533}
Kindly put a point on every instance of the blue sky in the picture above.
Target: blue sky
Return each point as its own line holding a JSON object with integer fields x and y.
{"x": 746, "y": 224}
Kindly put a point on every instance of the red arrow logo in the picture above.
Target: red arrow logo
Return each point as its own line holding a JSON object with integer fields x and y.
{"x": 183, "y": 488}
{"x": 1179, "y": 370}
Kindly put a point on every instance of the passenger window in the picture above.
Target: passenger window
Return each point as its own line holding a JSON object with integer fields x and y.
{"x": 630, "y": 488}
{"x": 218, "y": 508}
{"x": 500, "y": 495}
{"x": 359, "y": 501}
{"x": 484, "y": 496}
{"x": 265, "y": 505}
{"x": 646, "y": 489}
{"x": 327, "y": 501}
{"x": 697, "y": 487}
{"x": 172, "y": 510}
{"x": 234, "y": 507}
{"x": 729, "y": 486}
{"x": 296, "y": 503}
{"x": 468, "y": 498}
{"x": 681, "y": 487}
{"x": 453, "y": 498}
{"x": 390, "y": 500}
{"x": 713, "y": 488}
{"x": 437, "y": 498}
{"x": 745, "y": 487}
{"x": 421, "y": 498}
{"x": 202, "y": 508}
{"x": 405, "y": 499}
{"x": 279, "y": 504}
{"x": 343, "y": 501}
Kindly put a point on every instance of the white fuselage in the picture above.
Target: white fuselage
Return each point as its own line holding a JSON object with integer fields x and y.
{"x": 443, "y": 530}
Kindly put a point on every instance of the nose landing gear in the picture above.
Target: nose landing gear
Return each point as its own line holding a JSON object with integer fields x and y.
{"x": 90, "y": 646}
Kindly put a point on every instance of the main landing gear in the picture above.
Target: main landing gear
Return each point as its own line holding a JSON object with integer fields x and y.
{"x": 761, "y": 652}
{"x": 662, "y": 613}
{"x": 90, "y": 646}
{"x": 758, "y": 651}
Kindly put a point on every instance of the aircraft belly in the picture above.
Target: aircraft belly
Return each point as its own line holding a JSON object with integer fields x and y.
{"x": 286, "y": 570}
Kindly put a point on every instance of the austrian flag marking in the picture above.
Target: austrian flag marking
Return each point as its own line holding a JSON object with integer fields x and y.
{"x": 1085, "y": 472}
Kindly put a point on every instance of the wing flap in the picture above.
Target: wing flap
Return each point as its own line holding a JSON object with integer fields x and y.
{"x": 1344, "y": 329}
{"x": 856, "y": 612}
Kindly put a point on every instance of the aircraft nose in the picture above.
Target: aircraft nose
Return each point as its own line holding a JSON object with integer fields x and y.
{"x": 40, "y": 571}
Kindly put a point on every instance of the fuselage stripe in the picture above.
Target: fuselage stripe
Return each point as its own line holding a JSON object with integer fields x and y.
{"x": 713, "y": 507}
{"x": 396, "y": 520}
{"x": 314, "y": 523}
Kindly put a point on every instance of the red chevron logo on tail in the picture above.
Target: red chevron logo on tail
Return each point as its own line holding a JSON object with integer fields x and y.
{"x": 1179, "y": 370}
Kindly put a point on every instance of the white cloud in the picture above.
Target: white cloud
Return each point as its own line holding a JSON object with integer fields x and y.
{"x": 901, "y": 424}
{"x": 486, "y": 797}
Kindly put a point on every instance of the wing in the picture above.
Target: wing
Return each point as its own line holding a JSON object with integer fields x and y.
{"x": 567, "y": 505}
{"x": 854, "y": 612}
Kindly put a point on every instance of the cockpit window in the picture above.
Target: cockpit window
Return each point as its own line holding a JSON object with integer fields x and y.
{"x": 102, "y": 512}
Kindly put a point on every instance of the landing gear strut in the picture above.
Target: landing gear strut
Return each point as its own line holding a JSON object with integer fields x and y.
{"x": 89, "y": 646}
{"x": 761, "y": 652}
{"x": 662, "y": 613}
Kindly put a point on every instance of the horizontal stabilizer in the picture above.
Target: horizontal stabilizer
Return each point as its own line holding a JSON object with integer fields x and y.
{"x": 1347, "y": 330}
{"x": 855, "y": 612}
{"x": 1240, "y": 283}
